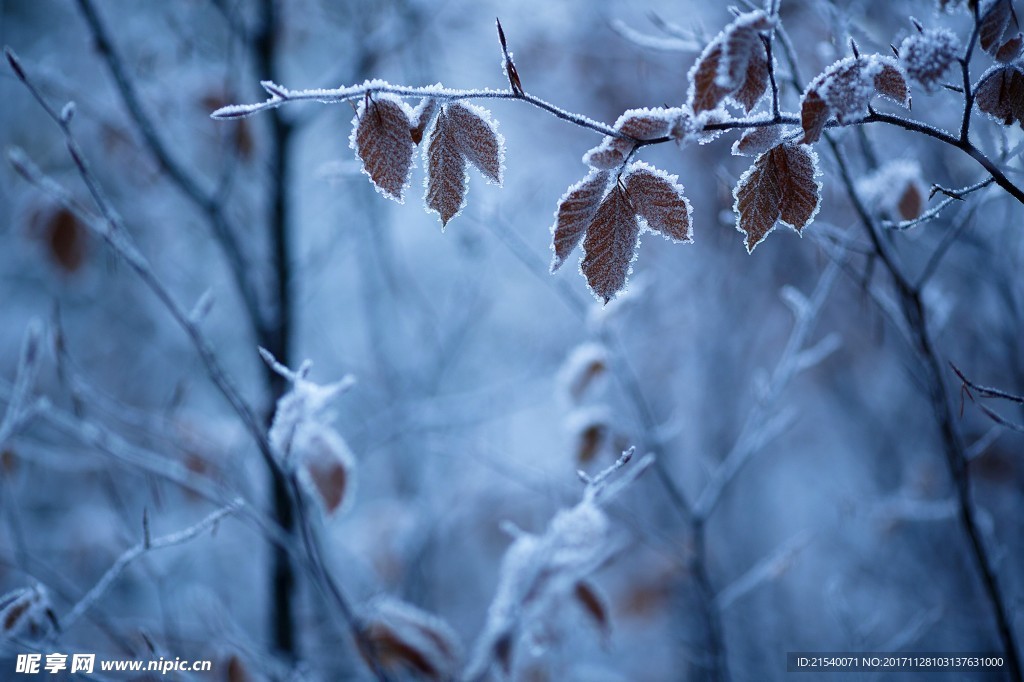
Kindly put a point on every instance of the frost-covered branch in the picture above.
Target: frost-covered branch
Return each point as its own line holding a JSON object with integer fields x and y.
{"x": 146, "y": 545}
{"x": 208, "y": 202}
{"x": 761, "y": 423}
{"x": 540, "y": 572}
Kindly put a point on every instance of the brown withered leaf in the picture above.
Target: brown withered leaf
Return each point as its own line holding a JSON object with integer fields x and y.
{"x": 993, "y": 24}
{"x": 659, "y": 200}
{"x": 1001, "y": 95}
{"x": 611, "y": 153}
{"x": 576, "y": 208}
{"x": 383, "y": 142}
{"x": 890, "y": 82}
{"x": 589, "y": 441}
{"x": 446, "y": 171}
{"x": 477, "y": 138}
{"x": 643, "y": 124}
{"x": 1010, "y": 50}
{"x": 814, "y": 114}
{"x": 610, "y": 244}
{"x": 65, "y": 239}
{"x": 421, "y": 117}
{"x": 330, "y": 477}
{"x": 845, "y": 90}
{"x": 911, "y": 203}
{"x": 235, "y": 670}
{"x": 705, "y": 93}
{"x": 406, "y": 638}
{"x": 741, "y": 42}
{"x": 594, "y": 604}
{"x": 733, "y": 64}
{"x": 755, "y": 84}
{"x": 781, "y": 186}
{"x": 757, "y": 141}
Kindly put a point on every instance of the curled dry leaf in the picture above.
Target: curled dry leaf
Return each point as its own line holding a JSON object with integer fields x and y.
{"x": 383, "y": 142}
{"x": 406, "y": 637}
{"x": 1001, "y": 94}
{"x": 594, "y": 605}
{"x": 781, "y": 186}
{"x": 734, "y": 63}
{"x": 584, "y": 368}
{"x": 896, "y": 190}
{"x": 845, "y": 90}
{"x": 327, "y": 466}
{"x": 26, "y": 612}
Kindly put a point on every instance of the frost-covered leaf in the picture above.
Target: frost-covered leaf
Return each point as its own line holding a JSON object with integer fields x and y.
{"x": 26, "y": 612}
{"x": 327, "y": 466}
{"x": 576, "y": 208}
{"x": 594, "y": 605}
{"x": 421, "y": 117}
{"x": 478, "y": 138}
{"x": 993, "y": 22}
{"x": 638, "y": 124}
{"x": 927, "y": 56}
{"x": 610, "y": 245}
{"x": 781, "y": 186}
{"x": 896, "y": 190}
{"x": 446, "y": 171}
{"x": 407, "y": 638}
{"x": 462, "y": 134}
{"x": 582, "y": 369}
{"x": 589, "y": 428}
{"x": 1010, "y": 50}
{"x": 1001, "y": 94}
{"x": 741, "y": 42}
{"x": 659, "y": 200}
{"x": 608, "y": 222}
{"x": 646, "y": 124}
{"x": 610, "y": 154}
{"x": 757, "y": 141}
{"x": 755, "y": 84}
{"x": 382, "y": 140}
{"x": 846, "y": 88}
{"x": 733, "y": 63}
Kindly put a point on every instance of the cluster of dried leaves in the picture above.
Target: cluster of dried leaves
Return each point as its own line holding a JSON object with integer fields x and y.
{"x": 619, "y": 199}
{"x": 386, "y": 131}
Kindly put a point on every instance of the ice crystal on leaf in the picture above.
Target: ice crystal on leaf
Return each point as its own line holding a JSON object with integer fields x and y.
{"x": 927, "y": 56}
{"x": 305, "y": 441}
{"x": 541, "y": 572}
{"x": 383, "y": 142}
{"x": 733, "y": 65}
{"x": 846, "y": 88}
{"x": 407, "y": 638}
{"x": 609, "y": 222}
{"x": 781, "y": 186}
{"x": 462, "y": 134}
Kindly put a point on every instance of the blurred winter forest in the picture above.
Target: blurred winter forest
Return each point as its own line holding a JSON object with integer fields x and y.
{"x": 822, "y": 478}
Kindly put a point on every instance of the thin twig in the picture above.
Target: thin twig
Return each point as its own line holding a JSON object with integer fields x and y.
{"x": 146, "y": 545}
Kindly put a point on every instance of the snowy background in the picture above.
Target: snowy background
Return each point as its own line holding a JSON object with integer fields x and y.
{"x": 839, "y": 531}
